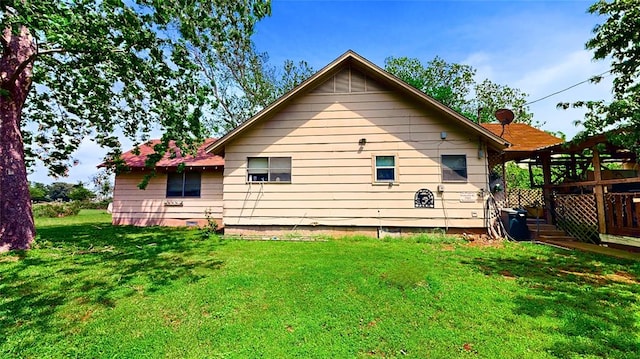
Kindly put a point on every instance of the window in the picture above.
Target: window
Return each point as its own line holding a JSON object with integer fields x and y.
{"x": 385, "y": 168}
{"x": 454, "y": 168}
{"x": 185, "y": 184}
{"x": 269, "y": 169}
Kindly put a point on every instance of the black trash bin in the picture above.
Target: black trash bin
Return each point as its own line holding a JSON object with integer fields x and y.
{"x": 515, "y": 222}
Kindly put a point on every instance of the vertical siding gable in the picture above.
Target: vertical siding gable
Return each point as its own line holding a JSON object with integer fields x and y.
{"x": 349, "y": 80}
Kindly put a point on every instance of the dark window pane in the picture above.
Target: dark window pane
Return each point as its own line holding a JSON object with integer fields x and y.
{"x": 258, "y": 177}
{"x": 385, "y": 174}
{"x": 174, "y": 184}
{"x": 192, "y": 184}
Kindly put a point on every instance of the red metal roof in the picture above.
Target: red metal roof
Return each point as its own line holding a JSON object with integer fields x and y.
{"x": 201, "y": 159}
{"x": 523, "y": 137}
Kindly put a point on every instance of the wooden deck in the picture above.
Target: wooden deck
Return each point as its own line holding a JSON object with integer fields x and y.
{"x": 593, "y": 248}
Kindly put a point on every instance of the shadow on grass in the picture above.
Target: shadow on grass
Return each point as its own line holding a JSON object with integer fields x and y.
{"x": 593, "y": 298}
{"x": 77, "y": 269}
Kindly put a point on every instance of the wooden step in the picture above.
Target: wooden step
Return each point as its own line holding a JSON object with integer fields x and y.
{"x": 539, "y": 220}
{"x": 561, "y": 238}
{"x": 550, "y": 232}
{"x": 543, "y": 227}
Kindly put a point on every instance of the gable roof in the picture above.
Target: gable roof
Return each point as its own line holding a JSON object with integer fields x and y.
{"x": 369, "y": 68}
{"x": 201, "y": 159}
{"x": 523, "y": 137}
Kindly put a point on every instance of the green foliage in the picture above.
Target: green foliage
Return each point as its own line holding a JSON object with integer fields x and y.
{"x": 93, "y": 290}
{"x": 518, "y": 177}
{"x": 101, "y": 205}
{"x": 454, "y": 85}
{"x": 38, "y": 192}
{"x": 56, "y": 209}
{"x": 105, "y": 68}
{"x": 80, "y": 193}
{"x": 617, "y": 39}
{"x": 59, "y": 191}
{"x": 211, "y": 227}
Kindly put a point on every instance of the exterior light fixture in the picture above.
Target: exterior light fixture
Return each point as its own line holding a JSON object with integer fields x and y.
{"x": 362, "y": 142}
{"x": 443, "y": 135}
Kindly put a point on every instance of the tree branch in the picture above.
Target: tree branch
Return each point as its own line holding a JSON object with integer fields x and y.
{"x": 32, "y": 58}
{"x": 23, "y": 65}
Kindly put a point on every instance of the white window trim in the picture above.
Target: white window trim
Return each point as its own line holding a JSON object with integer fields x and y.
{"x": 269, "y": 168}
{"x": 396, "y": 170}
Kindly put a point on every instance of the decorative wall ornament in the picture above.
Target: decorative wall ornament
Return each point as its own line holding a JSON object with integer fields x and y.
{"x": 424, "y": 199}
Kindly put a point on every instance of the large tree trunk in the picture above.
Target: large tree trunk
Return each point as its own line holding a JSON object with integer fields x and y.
{"x": 17, "y": 229}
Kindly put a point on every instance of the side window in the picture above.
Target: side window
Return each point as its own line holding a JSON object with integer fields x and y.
{"x": 269, "y": 169}
{"x": 385, "y": 169}
{"x": 454, "y": 168}
{"x": 258, "y": 169}
{"x": 185, "y": 184}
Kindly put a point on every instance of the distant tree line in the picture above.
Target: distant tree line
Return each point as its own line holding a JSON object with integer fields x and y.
{"x": 98, "y": 189}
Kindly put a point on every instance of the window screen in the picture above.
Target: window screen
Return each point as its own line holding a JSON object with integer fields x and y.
{"x": 454, "y": 168}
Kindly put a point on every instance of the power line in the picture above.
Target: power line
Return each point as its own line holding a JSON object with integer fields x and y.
{"x": 568, "y": 88}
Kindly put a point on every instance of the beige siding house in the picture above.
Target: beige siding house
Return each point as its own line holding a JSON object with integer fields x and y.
{"x": 354, "y": 149}
{"x": 172, "y": 197}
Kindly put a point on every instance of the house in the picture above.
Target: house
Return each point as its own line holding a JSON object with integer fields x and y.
{"x": 353, "y": 149}
{"x": 172, "y": 197}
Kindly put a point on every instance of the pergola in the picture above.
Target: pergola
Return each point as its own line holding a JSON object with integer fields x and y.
{"x": 580, "y": 168}
{"x": 581, "y": 192}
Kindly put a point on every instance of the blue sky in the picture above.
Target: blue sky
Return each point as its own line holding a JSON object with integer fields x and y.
{"x": 536, "y": 46}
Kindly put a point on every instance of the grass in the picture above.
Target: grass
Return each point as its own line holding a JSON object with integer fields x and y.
{"x": 91, "y": 290}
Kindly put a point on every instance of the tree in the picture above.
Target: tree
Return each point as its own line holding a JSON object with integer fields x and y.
{"x": 80, "y": 193}
{"x": 454, "y": 85}
{"x": 38, "y": 192}
{"x": 76, "y": 69}
{"x": 618, "y": 39}
{"x": 59, "y": 191}
{"x": 103, "y": 185}
{"x": 243, "y": 83}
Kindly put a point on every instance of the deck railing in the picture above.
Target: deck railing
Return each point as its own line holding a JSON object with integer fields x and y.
{"x": 622, "y": 214}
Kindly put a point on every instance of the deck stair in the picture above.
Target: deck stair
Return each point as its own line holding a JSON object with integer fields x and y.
{"x": 540, "y": 230}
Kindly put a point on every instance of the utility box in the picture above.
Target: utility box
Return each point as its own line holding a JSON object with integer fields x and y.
{"x": 515, "y": 222}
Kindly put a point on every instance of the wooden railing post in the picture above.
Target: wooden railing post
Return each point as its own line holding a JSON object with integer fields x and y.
{"x": 546, "y": 188}
{"x": 598, "y": 190}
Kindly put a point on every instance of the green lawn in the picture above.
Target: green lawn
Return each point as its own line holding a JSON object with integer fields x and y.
{"x": 91, "y": 290}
